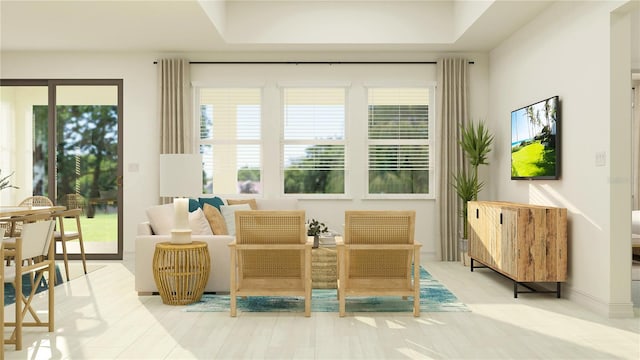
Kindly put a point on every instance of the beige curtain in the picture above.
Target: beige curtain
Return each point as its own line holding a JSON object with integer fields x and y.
{"x": 174, "y": 109}
{"x": 452, "y": 98}
{"x": 176, "y": 136}
{"x": 636, "y": 146}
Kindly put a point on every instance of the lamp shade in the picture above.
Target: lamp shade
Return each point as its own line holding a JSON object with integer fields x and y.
{"x": 180, "y": 175}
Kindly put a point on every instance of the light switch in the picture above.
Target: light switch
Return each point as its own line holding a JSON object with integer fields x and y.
{"x": 133, "y": 167}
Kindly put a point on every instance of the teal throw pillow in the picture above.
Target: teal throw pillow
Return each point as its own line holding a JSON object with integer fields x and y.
{"x": 193, "y": 205}
{"x": 213, "y": 201}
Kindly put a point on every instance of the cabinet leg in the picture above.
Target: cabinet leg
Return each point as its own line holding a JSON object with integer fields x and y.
{"x": 471, "y": 264}
{"x": 558, "y": 290}
{"x": 515, "y": 290}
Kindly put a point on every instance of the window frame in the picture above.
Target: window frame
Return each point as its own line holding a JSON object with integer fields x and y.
{"x": 344, "y": 142}
{"x": 431, "y": 144}
{"x": 259, "y": 142}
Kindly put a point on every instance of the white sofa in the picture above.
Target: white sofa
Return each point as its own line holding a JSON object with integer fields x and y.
{"x": 218, "y": 281}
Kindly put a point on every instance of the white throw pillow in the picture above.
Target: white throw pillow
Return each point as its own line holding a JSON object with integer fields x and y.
{"x": 198, "y": 223}
{"x": 161, "y": 220}
{"x": 229, "y": 215}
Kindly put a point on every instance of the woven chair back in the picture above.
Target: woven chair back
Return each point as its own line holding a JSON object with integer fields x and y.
{"x": 260, "y": 227}
{"x": 379, "y": 228}
{"x": 36, "y": 201}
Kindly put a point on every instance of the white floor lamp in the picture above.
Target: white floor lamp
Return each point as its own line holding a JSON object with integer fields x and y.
{"x": 180, "y": 178}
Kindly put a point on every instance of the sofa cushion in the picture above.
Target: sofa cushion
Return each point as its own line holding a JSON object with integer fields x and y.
{"x": 229, "y": 214}
{"x": 161, "y": 220}
{"x": 213, "y": 201}
{"x": 252, "y": 202}
{"x": 215, "y": 219}
{"x": 199, "y": 224}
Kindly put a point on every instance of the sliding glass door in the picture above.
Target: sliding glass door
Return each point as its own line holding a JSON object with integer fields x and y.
{"x": 67, "y": 147}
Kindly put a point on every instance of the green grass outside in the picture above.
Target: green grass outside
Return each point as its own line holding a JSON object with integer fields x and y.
{"x": 533, "y": 160}
{"x": 101, "y": 228}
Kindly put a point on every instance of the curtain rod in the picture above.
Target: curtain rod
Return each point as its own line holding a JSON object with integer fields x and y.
{"x": 313, "y": 62}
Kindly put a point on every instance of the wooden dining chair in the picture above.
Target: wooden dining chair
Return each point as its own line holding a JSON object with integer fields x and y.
{"x": 36, "y": 201}
{"x": 64, "y": 234}
{"x": 10, "y": 241}
{"x": 34, "y": 255}
{"x": 15, "y": 224}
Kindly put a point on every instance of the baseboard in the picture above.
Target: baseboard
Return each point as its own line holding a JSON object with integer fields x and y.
{"x": 609, "y": 310}
{"x": 429, "y": 256}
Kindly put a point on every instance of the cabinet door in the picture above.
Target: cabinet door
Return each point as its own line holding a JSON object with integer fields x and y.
{"x": 479, "y": 232}
{"x": 483, "y": 232}
{"x": 507, "y": 244}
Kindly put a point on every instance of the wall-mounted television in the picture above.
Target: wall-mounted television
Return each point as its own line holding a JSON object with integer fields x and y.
{"x": 535, "y": 140}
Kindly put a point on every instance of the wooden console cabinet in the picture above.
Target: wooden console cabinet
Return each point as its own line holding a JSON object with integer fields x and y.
{"x": 526, "y": 243}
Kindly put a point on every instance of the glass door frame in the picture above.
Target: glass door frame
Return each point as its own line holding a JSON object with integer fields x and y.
{"x": 51, "y": 85}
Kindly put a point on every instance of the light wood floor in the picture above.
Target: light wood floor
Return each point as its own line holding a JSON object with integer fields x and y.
{"x": 100, "y": 316}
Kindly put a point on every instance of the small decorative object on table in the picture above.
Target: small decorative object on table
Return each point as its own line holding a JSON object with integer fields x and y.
{"x": 315, "y": 228}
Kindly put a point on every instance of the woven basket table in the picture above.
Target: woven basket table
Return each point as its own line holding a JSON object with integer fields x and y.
{"x": 181, "y": 271}
{"x": 324, "y": 268}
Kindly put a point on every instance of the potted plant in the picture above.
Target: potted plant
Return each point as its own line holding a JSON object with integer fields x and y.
{"x": 475, "y": 141}
{"x": 315, "y": 228}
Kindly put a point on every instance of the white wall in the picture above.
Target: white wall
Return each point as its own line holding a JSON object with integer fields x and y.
{"x": 141, "y": 144}
{"x": 141, "y": 133}
{"x": 566, "y": 51}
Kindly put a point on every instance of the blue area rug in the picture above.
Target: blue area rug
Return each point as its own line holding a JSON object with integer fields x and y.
{"x": 434, "y": 297}
{"x": 10, "y": 293}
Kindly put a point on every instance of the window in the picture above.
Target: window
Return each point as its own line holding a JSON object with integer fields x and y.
{"x": 314, "y": 140}
{"x": 399, "y": 142}
{"x": 230, "y": 133}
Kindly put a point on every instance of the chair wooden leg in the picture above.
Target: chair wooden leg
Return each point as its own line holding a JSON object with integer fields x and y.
{"x": 18, "y": 315}
{"x": 64, "y": 256}
{"x": 232, "y": 282}
{"x": 84, "y": 259}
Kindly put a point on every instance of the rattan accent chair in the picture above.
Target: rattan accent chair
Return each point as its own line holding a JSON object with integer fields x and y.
{"x": 378, "y": 256}
{"x": 34, "y": 255}
{"x": 271, "y": 256}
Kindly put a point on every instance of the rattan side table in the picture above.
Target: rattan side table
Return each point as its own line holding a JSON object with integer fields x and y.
{"x": 181, "y": 271}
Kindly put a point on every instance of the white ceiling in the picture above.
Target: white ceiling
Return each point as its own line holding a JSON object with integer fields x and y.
{"x": 244, "y": 25}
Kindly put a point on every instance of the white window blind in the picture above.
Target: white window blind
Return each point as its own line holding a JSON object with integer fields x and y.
{"x": 313, "y": 140}
{"x": 399, "y": 140}
{"x": 230, "y": 133}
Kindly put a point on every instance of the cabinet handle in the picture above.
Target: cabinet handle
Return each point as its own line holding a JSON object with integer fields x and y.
{"x": 500, "y": 218}
{"x": 477, "y": 213}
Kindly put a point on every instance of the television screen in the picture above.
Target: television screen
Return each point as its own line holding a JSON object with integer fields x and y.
{"x": 535, "y": 140}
